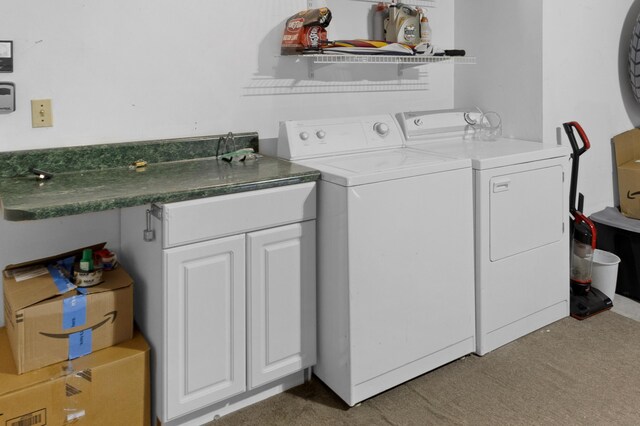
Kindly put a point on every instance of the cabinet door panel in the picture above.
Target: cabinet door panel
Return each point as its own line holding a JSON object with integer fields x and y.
{"x": 205, "y": 323}
{"x": 281, "y": 285}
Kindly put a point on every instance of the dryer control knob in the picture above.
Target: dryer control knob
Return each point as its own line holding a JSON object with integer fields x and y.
{"x": 381, "y": 128}
{"x": 321, "y": 134}
{"x": 418, "y": 122}
{"x": 304, "y": 136}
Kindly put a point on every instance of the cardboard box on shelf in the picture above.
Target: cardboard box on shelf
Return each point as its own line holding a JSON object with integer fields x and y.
{"x": 627, "y": 149}
{"x": 107, "y": 387}
{"x": 49, "y": 319}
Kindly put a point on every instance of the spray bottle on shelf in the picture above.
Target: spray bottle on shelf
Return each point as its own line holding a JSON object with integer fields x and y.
{"x": 390, "y": 27}
{"x": 425, "y": 28}
{"x": 380, "y": 13}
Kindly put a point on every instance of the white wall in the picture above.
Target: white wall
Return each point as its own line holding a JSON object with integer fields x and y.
{"x": 133, "y": 70}
{"x": 126, "y": 70}
{"x": 585, "y": 47}
{"x": 506, "y": 38}
{"x": 543, "y": 63}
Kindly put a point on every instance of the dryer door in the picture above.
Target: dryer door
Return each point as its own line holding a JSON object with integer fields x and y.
{"x": 526, "y": 210}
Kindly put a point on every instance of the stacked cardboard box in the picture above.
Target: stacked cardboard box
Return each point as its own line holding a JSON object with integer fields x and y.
{"x": 108, "y": 387}
{"x": 68, "y": 354}
{"x": 627, "y": 149}
{"x": 49, "y": 319}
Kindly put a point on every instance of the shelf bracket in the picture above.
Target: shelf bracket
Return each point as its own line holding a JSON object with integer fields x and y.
{"x": 402, "y": 67}
{"x": 311, "y": 66}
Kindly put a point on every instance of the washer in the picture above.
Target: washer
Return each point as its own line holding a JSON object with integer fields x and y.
{"x": 521, "y": 229}
{"x": 395, "y": 267}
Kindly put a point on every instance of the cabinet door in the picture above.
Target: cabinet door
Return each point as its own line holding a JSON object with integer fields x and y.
{"x": 281, "y": 283}
{"x": 205, "y": 323}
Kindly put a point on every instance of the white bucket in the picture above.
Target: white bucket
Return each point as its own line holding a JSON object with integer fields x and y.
{"x": 605, "y": 272}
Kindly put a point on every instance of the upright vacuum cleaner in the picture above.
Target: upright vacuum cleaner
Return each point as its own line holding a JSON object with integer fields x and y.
{"x": 586, "y": 300}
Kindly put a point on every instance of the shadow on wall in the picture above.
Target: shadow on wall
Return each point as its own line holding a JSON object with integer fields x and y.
{"x": 631, "y": 105}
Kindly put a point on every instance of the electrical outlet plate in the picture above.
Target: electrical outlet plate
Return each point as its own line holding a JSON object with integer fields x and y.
{"x": 41, "y": 113}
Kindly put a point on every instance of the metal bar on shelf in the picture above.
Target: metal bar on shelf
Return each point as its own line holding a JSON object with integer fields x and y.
{"x": 388, "y": 59}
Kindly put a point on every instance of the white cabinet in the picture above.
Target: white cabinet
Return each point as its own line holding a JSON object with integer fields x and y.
{"x": 205, "y": 287}
{"x": 230, "y": 318}
{"x": 282, "y": 338}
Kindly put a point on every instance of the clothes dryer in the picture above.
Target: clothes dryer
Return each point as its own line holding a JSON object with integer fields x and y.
{"x": 395, "y": 267}
{"x": 521, "y": 223}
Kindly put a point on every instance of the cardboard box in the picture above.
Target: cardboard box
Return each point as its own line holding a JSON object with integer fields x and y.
{"x": 48, "y": 322}
{"x": 108, "y": 387}
{"x": 627, "y": 149}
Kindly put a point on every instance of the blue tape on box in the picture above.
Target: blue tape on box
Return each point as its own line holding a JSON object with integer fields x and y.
{"x": 74, "y": 311}
{"x": 60, "y": 280}
{"x": 80, "y": 343}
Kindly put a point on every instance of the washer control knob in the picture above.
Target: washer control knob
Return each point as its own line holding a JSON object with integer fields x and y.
{"x": 381, "y": 128}
{"x": 304, "y": 136}
{"x": 321, "y": 134}
{"x": 418, "y": 122}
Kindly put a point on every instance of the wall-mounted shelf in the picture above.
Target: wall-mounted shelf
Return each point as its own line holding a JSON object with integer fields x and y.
{"x": 402, "y": 61}
{"x": 419, "y": 3}
{"x": 311, "y": 4}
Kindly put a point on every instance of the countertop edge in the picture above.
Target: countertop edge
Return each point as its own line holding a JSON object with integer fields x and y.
{"x": 93, "y": 206}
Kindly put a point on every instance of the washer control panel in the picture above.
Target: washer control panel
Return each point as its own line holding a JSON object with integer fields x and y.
{"x": 317, "y": 138}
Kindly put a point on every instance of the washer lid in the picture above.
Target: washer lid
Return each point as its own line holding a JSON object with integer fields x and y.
{"x": 379, "y": 166}
{"x": 490, "y": 154}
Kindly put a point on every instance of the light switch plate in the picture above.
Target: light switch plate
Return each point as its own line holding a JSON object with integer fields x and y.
{"x": 7, "y": 97}
{"x": 41, "y": 113}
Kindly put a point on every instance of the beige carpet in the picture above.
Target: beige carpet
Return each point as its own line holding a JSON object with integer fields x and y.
{"x": 569, "y": 373}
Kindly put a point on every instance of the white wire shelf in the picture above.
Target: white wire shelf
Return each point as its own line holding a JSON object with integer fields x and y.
{"x": 402, "y": 61}
{"x": 311, "y": 4}
{"x": 421, "y": 3}
{"x": 328, "y": 58}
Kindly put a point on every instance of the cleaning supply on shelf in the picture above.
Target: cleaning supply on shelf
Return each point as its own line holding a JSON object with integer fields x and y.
{"x": 403, "y": 25}
{"x": 305, "y": 31}
{"x": 390, "y": 30}
{"x": 425, "y": 28}
{"x": 380, "y": 13}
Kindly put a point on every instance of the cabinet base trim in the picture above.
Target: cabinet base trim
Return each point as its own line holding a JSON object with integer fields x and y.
{"x": 230, "y": 405}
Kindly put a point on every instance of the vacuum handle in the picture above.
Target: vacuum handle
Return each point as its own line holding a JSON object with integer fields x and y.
{"x": 568, "y": 128}
{"x": 579, "y": 217}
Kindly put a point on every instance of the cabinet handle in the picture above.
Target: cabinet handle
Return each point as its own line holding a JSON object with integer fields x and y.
{"x": 501, "y": 185}
{"x": 149, "y": 234}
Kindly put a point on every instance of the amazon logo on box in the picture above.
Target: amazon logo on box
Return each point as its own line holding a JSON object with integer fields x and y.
{"x": 49, "y": 320}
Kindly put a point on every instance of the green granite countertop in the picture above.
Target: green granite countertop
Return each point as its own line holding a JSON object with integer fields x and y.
{"x": 96, "y": 188}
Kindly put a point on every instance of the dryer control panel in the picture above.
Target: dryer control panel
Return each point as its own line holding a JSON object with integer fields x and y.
{"x": 422, "y": 126}
{"x": 306, "y": 139}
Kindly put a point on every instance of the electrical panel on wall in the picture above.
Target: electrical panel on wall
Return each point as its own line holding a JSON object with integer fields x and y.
{"x": 7, "y": 97}
{"x": 6, "y": 56}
